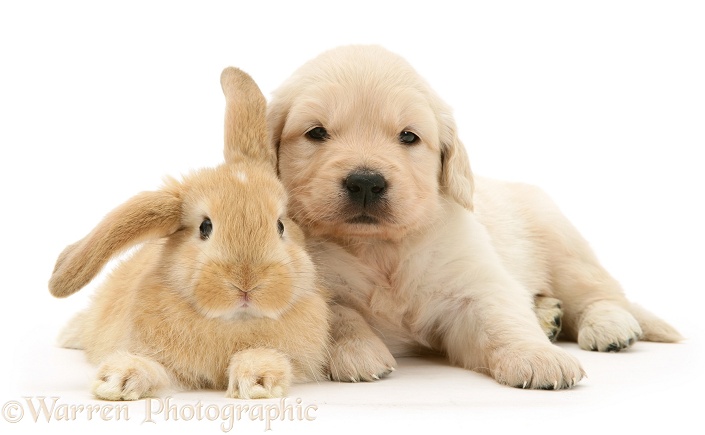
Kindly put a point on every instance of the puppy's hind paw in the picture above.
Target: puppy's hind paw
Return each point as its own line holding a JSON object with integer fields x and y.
{"x": 549, "y": 314}
{"x": 607, "y": 327}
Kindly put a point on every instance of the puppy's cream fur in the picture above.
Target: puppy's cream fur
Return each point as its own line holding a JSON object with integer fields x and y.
{"x": 452, "y": 263}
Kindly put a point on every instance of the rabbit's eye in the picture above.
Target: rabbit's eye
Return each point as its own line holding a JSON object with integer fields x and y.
{"x": 280, "y": 228}
{"x": 206, "y": 228}
{"x": 318, "y": 134}
{"x": 408, "y": 138}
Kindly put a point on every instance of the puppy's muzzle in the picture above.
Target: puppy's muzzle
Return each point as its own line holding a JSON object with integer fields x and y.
{"x": 365, "y": 187}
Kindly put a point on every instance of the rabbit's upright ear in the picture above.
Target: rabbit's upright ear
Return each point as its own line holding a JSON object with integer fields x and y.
{"x": 245, "y": 124}
{"x": 149, "y": 215}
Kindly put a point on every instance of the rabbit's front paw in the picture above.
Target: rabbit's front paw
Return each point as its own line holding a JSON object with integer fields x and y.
{"x": 124, "y": 376}
{"x": 549, "y": 314}
{"x": 258, "y": 374}
{"x": 607, "y": 327}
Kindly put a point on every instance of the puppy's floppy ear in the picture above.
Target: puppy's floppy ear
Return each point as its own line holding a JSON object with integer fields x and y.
{"x": 456, "y": 177}
{"x": 149, "y": 215}
{"x": 277, "y": 112}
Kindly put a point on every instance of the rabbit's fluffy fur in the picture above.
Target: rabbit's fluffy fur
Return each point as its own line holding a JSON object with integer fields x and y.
{"x": 221, "y": 295}
{"x": 419, "y": 253}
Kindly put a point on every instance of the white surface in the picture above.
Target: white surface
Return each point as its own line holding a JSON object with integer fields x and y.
{"x": 599, "y": 103}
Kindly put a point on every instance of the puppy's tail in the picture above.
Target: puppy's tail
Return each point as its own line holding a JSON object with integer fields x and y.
{"x": 652, "y": 327}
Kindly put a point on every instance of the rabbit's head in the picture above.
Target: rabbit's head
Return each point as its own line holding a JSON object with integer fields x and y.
{"x": 235, "y": 252}
{"x": 222, "y": 235}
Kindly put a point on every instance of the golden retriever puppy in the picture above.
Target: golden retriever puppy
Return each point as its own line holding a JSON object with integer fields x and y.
{"x": 421, "y": 255}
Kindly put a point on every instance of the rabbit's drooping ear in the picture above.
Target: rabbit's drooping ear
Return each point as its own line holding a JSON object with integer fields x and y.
{"x": 456, "y": 176}
{"x": 148, "y": 215}
{"x": 245, "y": 123}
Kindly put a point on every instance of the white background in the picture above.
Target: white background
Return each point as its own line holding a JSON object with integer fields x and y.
{"x": 601, "y": 103}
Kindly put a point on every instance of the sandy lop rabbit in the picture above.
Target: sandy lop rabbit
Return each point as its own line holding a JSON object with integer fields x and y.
{"x": 221, "y": 295}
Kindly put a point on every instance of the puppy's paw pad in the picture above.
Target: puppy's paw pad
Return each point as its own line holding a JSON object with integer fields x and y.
{"x": 606, "y": 327}
{"x": 259, "y": 374}
{"x": 359, "y": 359}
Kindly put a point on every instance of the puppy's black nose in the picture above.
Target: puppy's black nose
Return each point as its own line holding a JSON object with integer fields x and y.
{"x": 365, "y": 188}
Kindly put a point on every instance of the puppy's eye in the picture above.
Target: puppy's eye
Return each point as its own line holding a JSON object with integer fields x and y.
{"x": 408, "y": 138}
{"x": 206, "y": 228}
{"x": 280, "y": 228}
{"x": 319, "y": 134}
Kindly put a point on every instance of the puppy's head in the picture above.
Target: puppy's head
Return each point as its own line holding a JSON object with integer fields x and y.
{"x": 365, "y": 147}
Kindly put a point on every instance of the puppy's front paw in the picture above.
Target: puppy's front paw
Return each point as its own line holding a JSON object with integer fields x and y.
{"x": 549, "y": 314}
{"x": 124, "y": 376}
{"x": 259, "y": 374}
{"x": 607, "y": 327}
{"x": 538, "y": 366}
{"x": 360, "y": 359}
